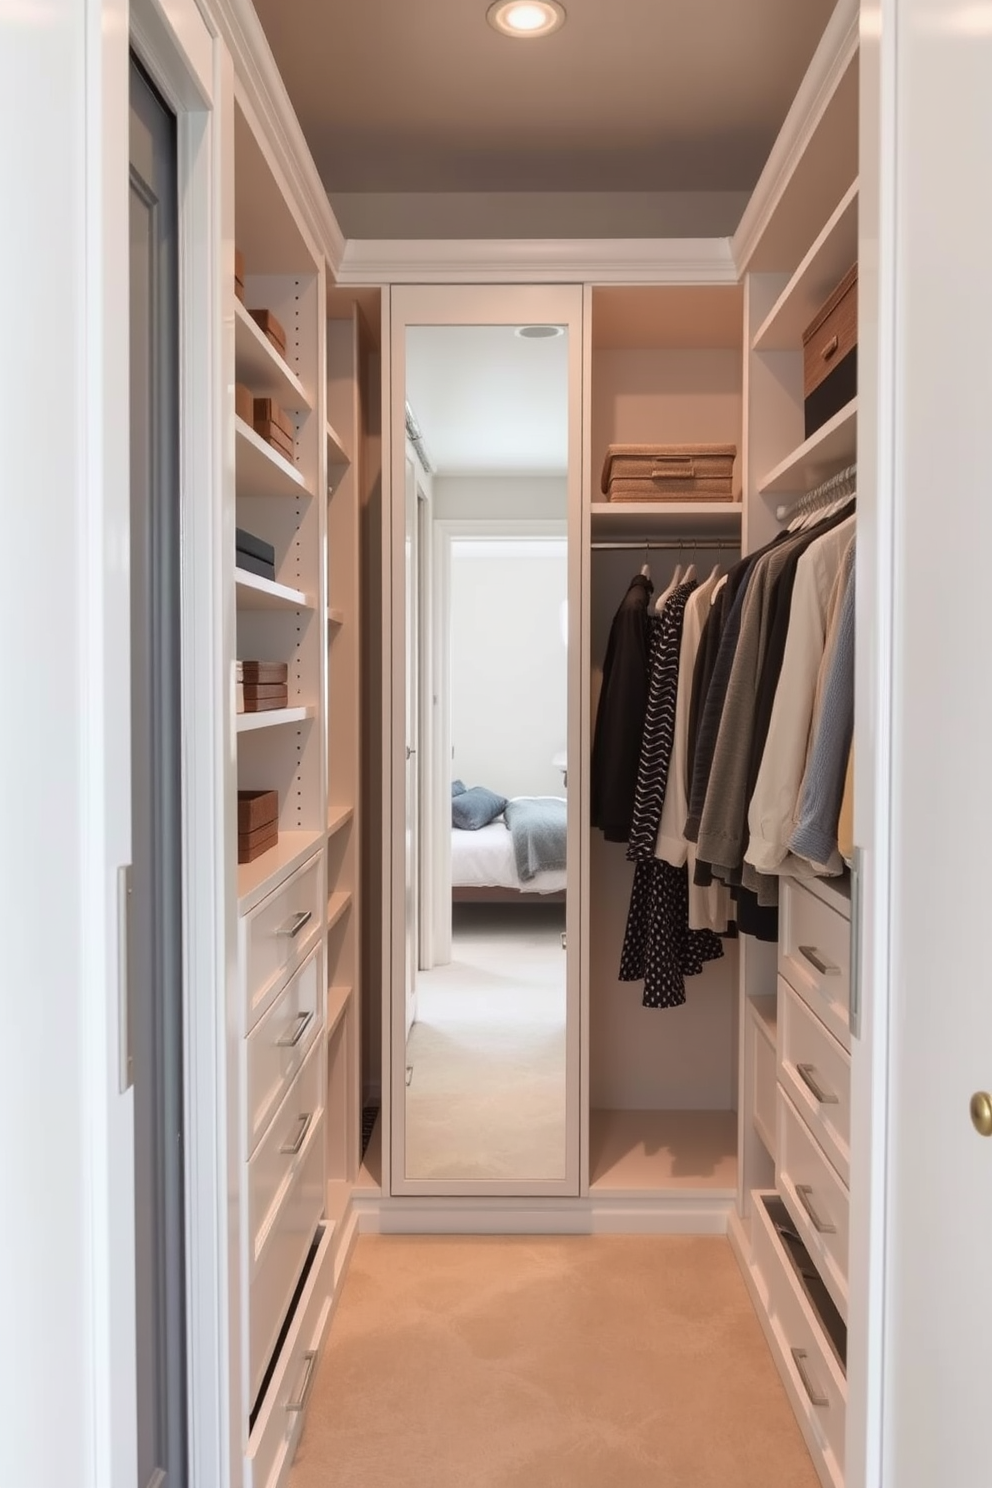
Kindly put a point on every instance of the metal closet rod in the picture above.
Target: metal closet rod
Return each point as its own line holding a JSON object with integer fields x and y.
{"x": 687, "y": 545}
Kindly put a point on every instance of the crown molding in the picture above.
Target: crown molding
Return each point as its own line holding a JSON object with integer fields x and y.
{"x": 538, "y": 261}
{"x": 263, "y": 88}
{"x": 834, "y": 55}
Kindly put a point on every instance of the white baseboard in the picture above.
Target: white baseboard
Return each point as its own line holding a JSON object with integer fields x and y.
{"x": 593, "y": 1216}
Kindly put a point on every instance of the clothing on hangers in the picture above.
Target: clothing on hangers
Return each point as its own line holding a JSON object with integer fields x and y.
{"x": 620, "y": 715}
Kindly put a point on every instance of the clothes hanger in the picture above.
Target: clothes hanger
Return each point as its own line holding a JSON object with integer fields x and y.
{"x": 714, "y": 575}
{"x": 646, "y": 571}
{"x": 666, "y": 594}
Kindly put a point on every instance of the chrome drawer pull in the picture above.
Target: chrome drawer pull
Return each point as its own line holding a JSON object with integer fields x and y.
{"x": 807, "y": 1073}
{"x": 292, "y": 1148}
{"x": 821, "y": 1226}
{"x": 826, "y": 968}
{"x": 303, "y": 1021}
{"x": 292, "y": 927}
{"x": 816, "y": 1397}
{"x": 300, "y": 1403}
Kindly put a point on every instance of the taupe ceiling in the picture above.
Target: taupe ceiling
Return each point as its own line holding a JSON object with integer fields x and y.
{"x": 631, "y": 96}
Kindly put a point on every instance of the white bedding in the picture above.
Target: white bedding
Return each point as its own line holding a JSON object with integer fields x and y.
{"x": 484, "y": 860}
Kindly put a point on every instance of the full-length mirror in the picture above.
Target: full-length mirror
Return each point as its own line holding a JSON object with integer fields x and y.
{"x": 486, "y": 1032}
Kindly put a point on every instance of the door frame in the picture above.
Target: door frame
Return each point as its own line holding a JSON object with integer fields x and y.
{"x": 186, "y": 63}
{"x": 453, "y": 305}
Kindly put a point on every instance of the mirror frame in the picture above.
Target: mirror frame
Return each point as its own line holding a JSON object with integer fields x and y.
{"x": 469, "y": 305}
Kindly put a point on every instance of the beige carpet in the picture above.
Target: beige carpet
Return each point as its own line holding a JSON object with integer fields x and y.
{"x": 486, "y": 1057}
{"x": 606, "y": 1362}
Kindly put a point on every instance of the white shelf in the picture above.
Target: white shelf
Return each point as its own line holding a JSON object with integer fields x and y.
{"x": 260, "y": 367}
{"x": 256, "y": 593}
{"x": 257, "y": 879}
{"x": 274, "y": 718}
{"x": 765, "y": 1011}
{"x": 338, "y": 999}
{"x": 635, "y": 1153}
{"x": 677, "y": 519}
{"x": 261, "y": 470}
{"x": 822, "y": 455}
{"x": 336, "y": 452}
{"x": 815, "y": 280}
{"x": 335, "y": 617}
{"x": 337, "y": 905}
{"x": 338, "y": 817}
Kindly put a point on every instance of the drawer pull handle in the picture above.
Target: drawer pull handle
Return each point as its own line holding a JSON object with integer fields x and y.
{"x": 290, "y": 1041}
{"x": 816, "y": 1395}
{"x": 300, "y": 1403}
{"x": 807, "y": 1073}
{"x": 820, "y": 1225}
{"x": 812, "y": 955}
{"x": 830, "y": 349}
{"x": 292, "y": 1148}
{"x": 292, "y": 927}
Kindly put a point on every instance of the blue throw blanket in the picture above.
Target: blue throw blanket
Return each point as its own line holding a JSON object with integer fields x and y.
{"x": 538, "y": 825}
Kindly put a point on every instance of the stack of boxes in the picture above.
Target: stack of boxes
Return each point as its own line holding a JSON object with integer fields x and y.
{"x": 262, "y": 686}
{"x": 258, "y": 823}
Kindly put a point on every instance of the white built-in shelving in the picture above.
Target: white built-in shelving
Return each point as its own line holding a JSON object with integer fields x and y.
{"x": 273, "y": 718}
{"x": 336, "y": 451}
{"x": 828, "y": 450}
{"x": 338, "y": 818}
{"x": 262, "y": 470}
{"x": 256, "y": 593}
{"x": 334, "y": 616}
{"x": 260, "y": 367}
{"x": 663, "y": 1152}
{"x": 622, "y": 520}
{"x": 256, "y": 880}
{"x": 338, "y": 905}
{"x": 823, "y": 268}
{"x": 338, "y": 999}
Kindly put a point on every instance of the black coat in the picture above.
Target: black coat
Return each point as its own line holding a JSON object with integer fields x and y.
{"x": 623, "y": 701}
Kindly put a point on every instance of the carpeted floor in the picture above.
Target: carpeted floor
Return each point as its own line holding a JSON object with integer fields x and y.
{"x": 486, "y": 1094}
{"x": 606, "y": 1362}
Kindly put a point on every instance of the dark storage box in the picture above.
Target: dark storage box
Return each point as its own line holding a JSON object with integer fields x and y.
{"x": 244, "y": 403}
{"x": 263, "y": 671}
{"x": 268, "y": 324}
{"x": 830, "y": 355}
{"x": 252, "y": 845}
{"x": 247, "y": 542}
{"x": 248, "y": 563}
{"x": 279, "y": 699}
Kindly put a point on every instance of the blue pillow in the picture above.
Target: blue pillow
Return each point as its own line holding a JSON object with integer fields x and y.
{"x": 476, "y": 808}
{"x": 457, "y": 788}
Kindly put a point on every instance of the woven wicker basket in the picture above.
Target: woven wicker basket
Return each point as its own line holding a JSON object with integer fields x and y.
{"x": 669, "y": 472}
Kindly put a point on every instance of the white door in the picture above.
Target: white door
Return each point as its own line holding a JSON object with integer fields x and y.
{"x": 921, "y": 1295}
{"x": 411, "y": 546}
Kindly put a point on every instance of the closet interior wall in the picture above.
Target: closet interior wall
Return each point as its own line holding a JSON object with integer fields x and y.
{"x": 665, "y": 368}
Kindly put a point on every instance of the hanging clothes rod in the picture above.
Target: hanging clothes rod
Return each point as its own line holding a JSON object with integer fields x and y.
{"x": 685, "y": 544}
{"x": 844, "y": 483}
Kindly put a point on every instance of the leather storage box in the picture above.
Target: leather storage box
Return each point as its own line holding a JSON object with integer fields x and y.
{"x": 257, "y": 808}
{"x": 239, "y": 274}
{"x": 252, "y": 845}
{"x": 244, "y": 403}
{"x": 254, "y": 555}
{"x": 669, "y": 472}
{"x": 273, "y": 425}
{"x": 256, "y": 704}
{"x": 268, "y": 324}
{"x": 830, "y": 355}
{"x": 261, "y": 672}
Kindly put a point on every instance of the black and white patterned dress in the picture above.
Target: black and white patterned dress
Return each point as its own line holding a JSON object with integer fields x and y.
{"x": 658, "y": 945}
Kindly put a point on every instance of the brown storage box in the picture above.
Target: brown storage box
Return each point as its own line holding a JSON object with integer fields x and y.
{"x": 267, "y": 410}
{"x": 669, "y": 472}
{"x": 239, "y": 275}
{"x": 252, "y": 845}
{"x": 831, "y": 334}
{"x": 255, "y": 690}
{"x": 272, "y": 434}
{"x": 244, "y": 403}
{"x": 279, "y": 699}
{"x": 263, "y": 671}
{"x": 257, "y": 809}
{"x": 268, "y": 324}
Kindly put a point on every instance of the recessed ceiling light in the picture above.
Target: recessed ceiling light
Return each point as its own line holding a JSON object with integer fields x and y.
{"x": 539, "y": 332}
{"x": 526, "y": 18}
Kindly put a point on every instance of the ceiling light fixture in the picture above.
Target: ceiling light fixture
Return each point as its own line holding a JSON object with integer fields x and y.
{"x": 526, "y": 18}
{"x": 539, "y": 332}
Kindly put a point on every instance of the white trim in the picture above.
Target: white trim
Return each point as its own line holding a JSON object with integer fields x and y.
{"x": 833, "y": 56}
{"x": 453, "y": 1215}
{"x": 538, "y": 261}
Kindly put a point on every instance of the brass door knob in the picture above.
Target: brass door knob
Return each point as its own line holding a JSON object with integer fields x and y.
{"x": 981, "y": 1113}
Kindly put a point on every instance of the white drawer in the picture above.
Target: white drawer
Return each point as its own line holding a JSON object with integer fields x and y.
{"x": 814, "y": 956}
{"x": 816, "y": 1199}
{"x": 279, "y": 1420}
{"x": 763, "y": 1085}
{"x": 816, "y": 1071}
{"x": 285, "y": 1146}
{"x": 287, "y": 1244}
{"x": 279, "y": 934}
{"x": 813, "y": 1376}
{"x": 280, "y": 1041}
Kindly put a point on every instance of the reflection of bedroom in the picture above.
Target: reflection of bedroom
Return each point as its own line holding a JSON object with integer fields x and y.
{"x": 486, "y": 1042}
